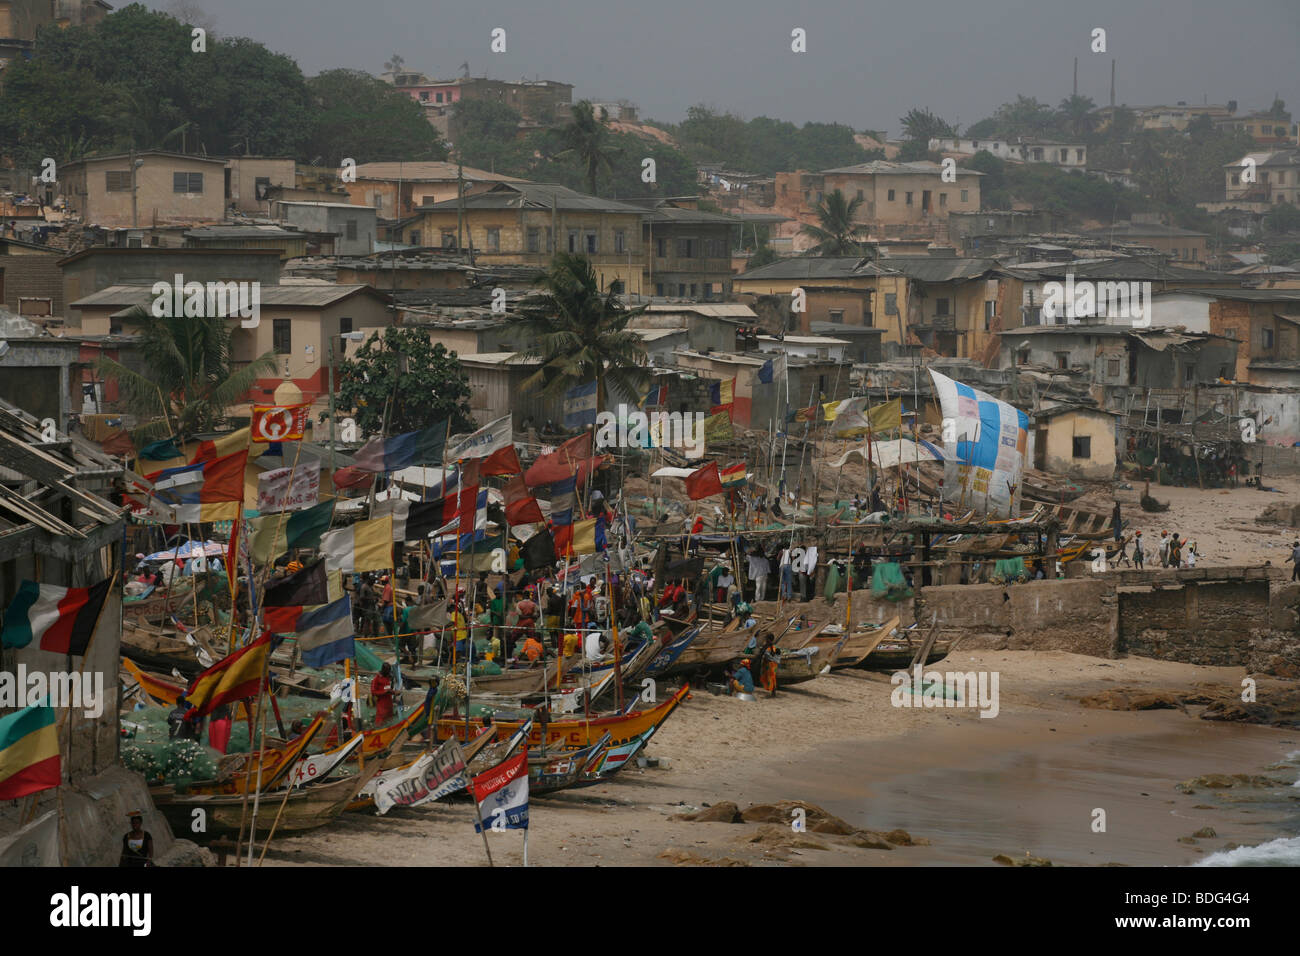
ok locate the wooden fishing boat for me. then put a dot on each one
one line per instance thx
(714, 648)
(861, 643)
(548, 772)
(893, 655)
(239, 772)
(514, 679)
(663, 662)
(304, 808)
(612, 759)
(811, 660)
(576, 732)
(400, 759)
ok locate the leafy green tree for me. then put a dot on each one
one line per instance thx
(404, 375)
(587, 137)
(922, 126)
(993, 187)
(1282, 218)
(837, 232)
(1285, 254)
(360, 116)
(1076, 117)
(580, 334)
(186, 374)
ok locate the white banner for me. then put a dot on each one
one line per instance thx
(275, 494)
(428, 778)
(489, 439)
(36, 844)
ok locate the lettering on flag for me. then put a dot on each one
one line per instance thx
(275, 492)
(428, 778)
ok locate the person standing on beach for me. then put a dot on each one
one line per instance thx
(1175, 552)
(1295, 561)
(1164, 549)
(1137, 551)
(769, 657)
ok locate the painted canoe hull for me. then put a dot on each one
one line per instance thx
(714, 649)
(662, 663)
(575, 733)
(861, 643)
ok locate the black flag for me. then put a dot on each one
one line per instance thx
(305, 587)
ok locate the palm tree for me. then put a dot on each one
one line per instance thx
(837, 233)
(580, 333)
(1077, 116)
(186, 375)
(586, 136)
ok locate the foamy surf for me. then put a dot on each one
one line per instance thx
(1284, 851)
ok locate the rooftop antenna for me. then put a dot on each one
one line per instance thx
(1112, 84)
(1076, 76)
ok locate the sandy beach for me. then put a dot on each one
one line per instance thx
(1028, 781)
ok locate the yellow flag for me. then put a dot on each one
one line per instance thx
(718, 427)
(584, 536)
(372, 544)
(886, 416)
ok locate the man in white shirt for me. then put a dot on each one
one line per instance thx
(759, 569)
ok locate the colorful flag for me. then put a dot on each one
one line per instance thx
(210, 490)
(492, 445)
(324, 632)
(29, 752)
(236, 677)
(521, 506)
(223, 446)
(983, 465)
(703, 482)
(424, 447)
(808, 414)
(853, 418)
(364, 546)
(308, 586)
(279, 422)
(657, 397)
(561, 463)
(583, 534)
(733, 475)
(723, 393)
(270, 536)
(580, 406)
(59, 619)
(717, 427)
(502, 794)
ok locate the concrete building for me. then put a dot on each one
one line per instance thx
(1064, 155)
(1074, 440)
(99, 268)
(1276, 175)
(398, 190)
(150, 188)
(1266, 322)
(349, 230)
(290, 243)
(1185, 245)
(527, 223)
(1263, 127)
(251, 182)
(30, 281)
(688, 249)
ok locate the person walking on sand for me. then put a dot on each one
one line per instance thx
(1295, 561)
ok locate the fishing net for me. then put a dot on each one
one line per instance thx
(888, 582)
(149, 751)
(1008, 570)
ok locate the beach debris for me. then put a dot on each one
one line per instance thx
(1124, 698)
(724, 812)
(1026, 860)
(1226, 781)
(687, 858)
(1205, 833)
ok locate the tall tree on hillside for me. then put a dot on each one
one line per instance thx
(1076, 116)
(922, 126)
(187, 377)
(587, 137)
(837, 233)
(580, 334)
(358, 115)
(1025, 117)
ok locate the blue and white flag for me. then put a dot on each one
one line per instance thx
(580, 406)
(502, 795)
(984, 443)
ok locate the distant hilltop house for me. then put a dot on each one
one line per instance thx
(1069, 155)
(539, 102)
(1275, 174)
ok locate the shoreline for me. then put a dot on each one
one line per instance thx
(1025, 781)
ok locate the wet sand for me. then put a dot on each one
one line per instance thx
(1027, 780)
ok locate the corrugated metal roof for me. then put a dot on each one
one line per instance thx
(882, 168)
(306, 296)
(939, 268)
(816, 267)
(428, 172)
(523, 195)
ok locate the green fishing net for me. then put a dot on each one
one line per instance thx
(1008, 570)
(888, 582)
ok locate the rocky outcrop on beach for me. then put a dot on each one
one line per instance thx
(788, 825)
(1277, 705)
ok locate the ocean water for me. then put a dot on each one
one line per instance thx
(1283, 851)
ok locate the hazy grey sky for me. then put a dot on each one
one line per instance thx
(867, 62)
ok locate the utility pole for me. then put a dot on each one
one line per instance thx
(331, 395)
(135, 216)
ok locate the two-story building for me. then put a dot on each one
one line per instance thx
(347, 229)
(687, 249)
(1265, 321)
(1065, 155)
(527, 223)
(1264, 177)
(152, 188)
(398, 190)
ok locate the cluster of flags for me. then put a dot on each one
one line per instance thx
(709, 479)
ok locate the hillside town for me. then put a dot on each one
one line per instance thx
(425, 441)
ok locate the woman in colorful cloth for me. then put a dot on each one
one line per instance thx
(770, 657)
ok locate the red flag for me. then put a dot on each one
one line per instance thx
(704, 482)
(563, 538)
(503, 462)
(521, 507)
(350, 477)
(560, 464)
(467, 508)
(279, 422)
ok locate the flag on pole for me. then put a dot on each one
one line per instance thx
(423, 447)
(580, 406)
(703, 482)
(733, 475)
(308, 586)
(324, 632)
(657, 397)
(58, 619)
(210, 490)
(270, 536)
(502, 795)
(279, 422)
(29, 753)
(364, 546)
(560, 464)
(717, 427)
(220, 447)
(492, 446)
(853, 418)
(521, 506)
(723, 393)
(236, 677)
